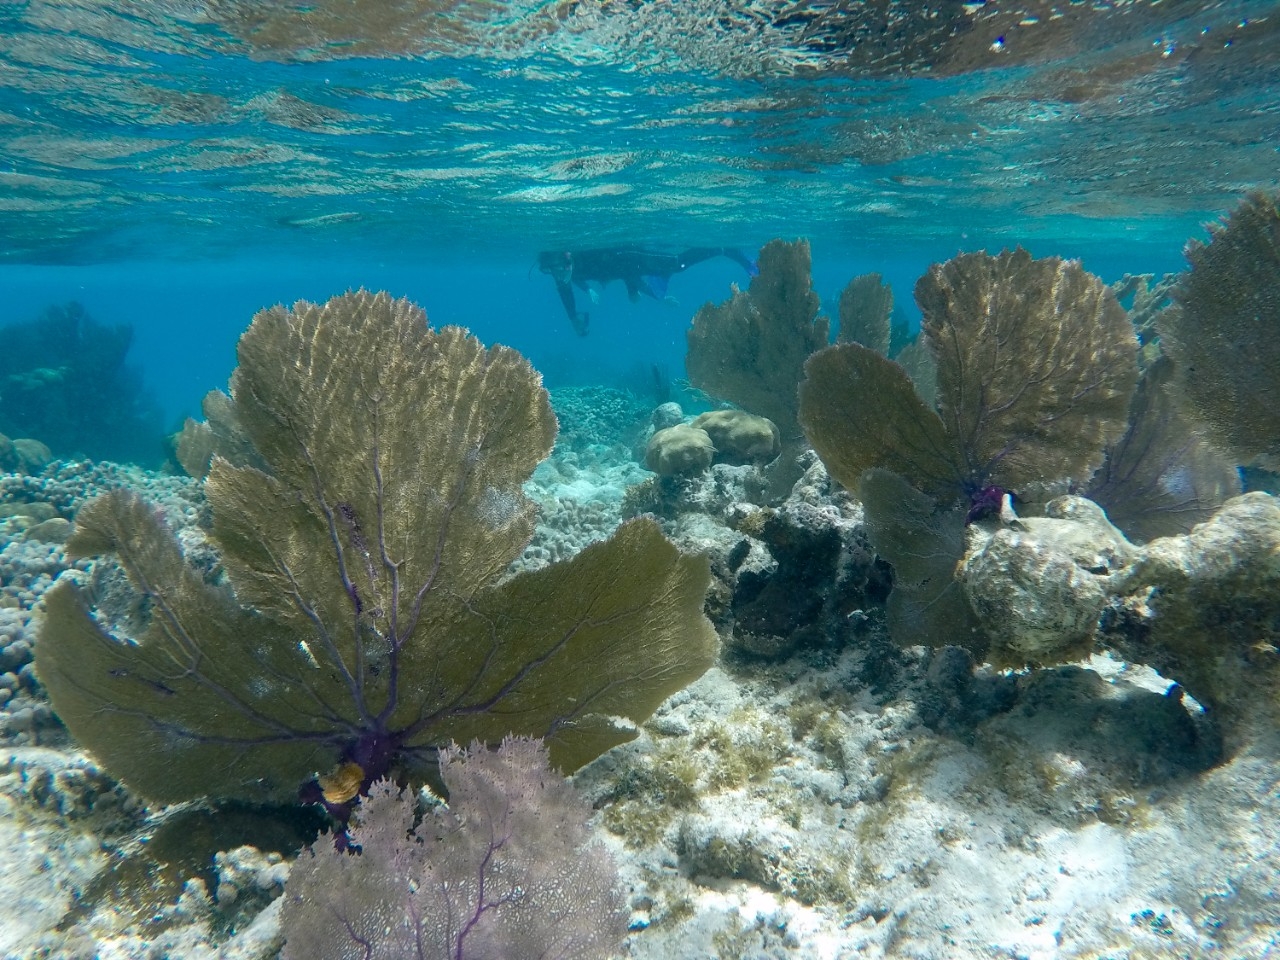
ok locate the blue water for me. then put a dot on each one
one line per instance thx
(178, 166)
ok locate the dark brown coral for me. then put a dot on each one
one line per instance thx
(1223, 333)
(1036, 366)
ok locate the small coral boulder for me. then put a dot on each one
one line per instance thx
(740, 437)
(682, 450)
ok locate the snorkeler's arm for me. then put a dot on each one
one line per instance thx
(579, 320)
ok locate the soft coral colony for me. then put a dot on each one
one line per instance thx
(364, 478)
(1027, 380)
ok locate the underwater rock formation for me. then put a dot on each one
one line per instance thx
(1039, 586)
(64, 380)
(1202, 608)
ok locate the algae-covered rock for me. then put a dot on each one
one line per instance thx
(681, 450)
(53, 530)
(23, 455)
(1039, 587)
(1204, 609)
(740, 437)
(666, 415)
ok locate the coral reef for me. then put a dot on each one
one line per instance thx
(23, 455)
(1199, 607)
(1204, 609)
(1036, 367)
(681, 450)
(372, 550)
(1039, 587)
(740, 437)
(64, 381)
(839, 795)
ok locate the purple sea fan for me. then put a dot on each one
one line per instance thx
(506, 871)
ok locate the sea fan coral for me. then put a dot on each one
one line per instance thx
(365, 618)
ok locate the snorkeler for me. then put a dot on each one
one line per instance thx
(642, 271)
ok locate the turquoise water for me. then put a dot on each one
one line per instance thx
(826, 788)
(177, 166)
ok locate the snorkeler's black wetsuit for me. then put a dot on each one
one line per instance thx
(642, 271)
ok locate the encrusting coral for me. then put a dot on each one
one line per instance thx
(362, 616)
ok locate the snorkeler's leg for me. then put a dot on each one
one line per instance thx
(698, 254)
(742, 260)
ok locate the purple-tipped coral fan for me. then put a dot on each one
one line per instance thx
(507, 870)
(365, 519)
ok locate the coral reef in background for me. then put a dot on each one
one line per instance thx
(23, 455)
(508, 868)
(361, 620)
(1221, 332)
(64, 381)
